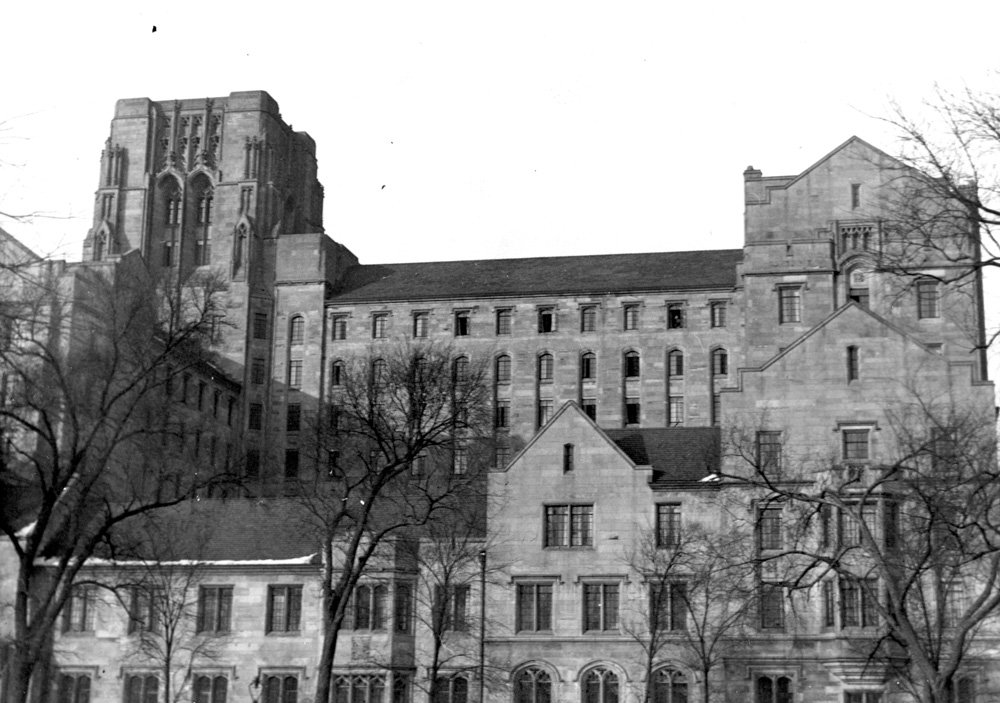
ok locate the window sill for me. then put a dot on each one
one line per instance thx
(289, 633)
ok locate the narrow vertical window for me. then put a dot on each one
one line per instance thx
(462, 323)
(852, 363)
(546, 320)
(503, 369)
(632, 411)
(544, 412)
(927, 299)
(718, 314)
(588, 366)
(675, 411)
(379, 321)
(502, 414)
(339, 327)
(567, 458)
(420, 325)
(297, 330)
(632, 364)
(675, 363)
(545, 368)
(295, 374)
(720, 362)
(588, 318)
(668, 524)
(855, 196)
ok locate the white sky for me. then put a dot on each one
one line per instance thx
(498, 129)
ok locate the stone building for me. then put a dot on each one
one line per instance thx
(624, 387)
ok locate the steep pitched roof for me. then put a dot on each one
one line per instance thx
(853, 140)
(677, 454)
(557, 275)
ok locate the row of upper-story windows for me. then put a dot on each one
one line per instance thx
(367, 609)
(546, 317)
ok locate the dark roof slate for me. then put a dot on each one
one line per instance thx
(677, 454)
(556, 275)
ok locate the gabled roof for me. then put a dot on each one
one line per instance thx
(677, 454)
(557, 275)
(850, 141)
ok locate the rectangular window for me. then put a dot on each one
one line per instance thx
(852, 364)
(144, 608)
(668, 607)
(544, 412)
(215, 606)
(78, 613)
(210, 689)
(955, 604)
(257, 372)
(632, 364)
(829, 606)
(168, 254)
(716, 409)
(285, 689)
(462, 324)
(855, 445)
(260, 325)
(588, 367)
(718, 314)
(868, 697)
(295, 374)
(857, 604)
(546, 320)
(420, 320)
(668, 524)
(339, 327)
(291, 464)
(503, 369)
(772, 610)
(460, 460)
(600, 607)
(631, 317)
(284, 608)
(569, 525)
(632, 411)
(590, 408)
(294, 418)
(567, 458)
(502, 414)
(675, 316)
(501, 455)
(404, 608)
(768, 451)
(367, 607)
(503, 321)
(253, 463)
(855, 196)
(927, 299)
(854, 521)
(452, 605)
(769, 527)
(675, 411)
(379, 321)
(588, 318)
(534, 607)
(789, 304)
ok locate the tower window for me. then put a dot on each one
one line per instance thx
(789, 304)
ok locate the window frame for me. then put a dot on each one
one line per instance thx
(675, 411)
(538, 594)
(631, 364)
(675, 363)
(220, 613)
(717, 313)
(771, 599)
(547, 320)
(928, 293)
(630, 317)
(462, 322)
(668, 525)
(769, 449)
(574, 531)
(601, 607)
(790, 304)
(291, 615)
(295, 374)
(338, 328)
(380, 324)
(421, 324)
(588, 318)
(504, 321)
(588, 367)
(676, 319)
(297, 330)
(503, 363)
(546, 367)
(850, 443)
(668, 609)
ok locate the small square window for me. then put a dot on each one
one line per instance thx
(503, 321)
(420, 320)
(569, 525)
(631, 315)
(675, 316)
(718, 314)
(546, 320)
(462, 324)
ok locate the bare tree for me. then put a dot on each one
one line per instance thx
(401, 444)
(700, 600)
(174, 625)
(87, 354)
(903, 554)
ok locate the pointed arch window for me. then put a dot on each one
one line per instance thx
(600, 685)
(533, 685)
(669, 686)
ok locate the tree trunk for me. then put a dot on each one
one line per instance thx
(18, 681)
(706, 695)
(327, 653)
